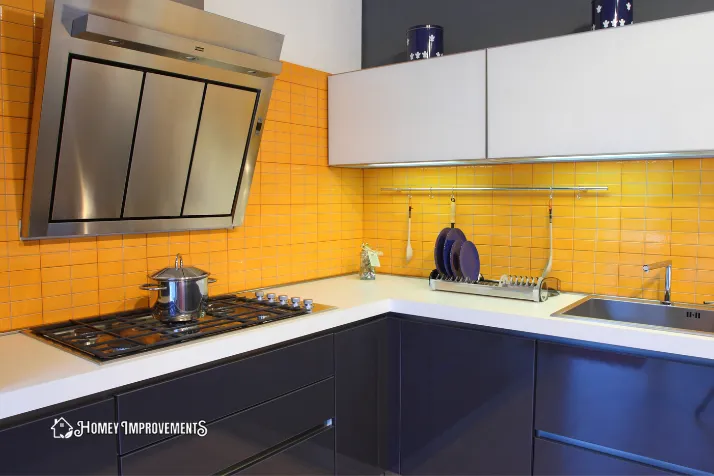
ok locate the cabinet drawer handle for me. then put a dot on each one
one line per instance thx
(263, 455)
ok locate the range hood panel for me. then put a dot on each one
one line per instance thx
(221, 145)
(95, 145)
(147, 118)
(163, 145)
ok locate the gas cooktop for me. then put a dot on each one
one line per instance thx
(113, 336)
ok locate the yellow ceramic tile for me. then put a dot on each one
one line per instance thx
(306, 220)
(56, 288)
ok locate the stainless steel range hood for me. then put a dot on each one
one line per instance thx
(147, 118)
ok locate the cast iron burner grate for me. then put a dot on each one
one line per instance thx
(118, 335)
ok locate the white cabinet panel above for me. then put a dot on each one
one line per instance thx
(639, 89)
(423, 111)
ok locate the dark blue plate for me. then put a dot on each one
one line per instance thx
(470, 261)
(451, 237)
(439, 251)
(455, 263)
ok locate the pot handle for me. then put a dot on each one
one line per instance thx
(152, 287)
(212, 280)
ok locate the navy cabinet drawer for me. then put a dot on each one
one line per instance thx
(225, 389)
(236, 438)
(558, 459)
(32, 448)
(646, 406)
(312, 457)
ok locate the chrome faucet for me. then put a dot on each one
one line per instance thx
(667, 278)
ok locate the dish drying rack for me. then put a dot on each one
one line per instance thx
(514, 287)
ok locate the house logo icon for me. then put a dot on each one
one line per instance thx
(61, 428)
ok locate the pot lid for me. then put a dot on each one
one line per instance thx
(179, 273)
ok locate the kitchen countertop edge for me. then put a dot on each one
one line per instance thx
(42, 375)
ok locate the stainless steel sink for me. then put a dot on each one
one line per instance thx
(679, 317)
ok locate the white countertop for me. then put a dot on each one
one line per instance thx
(34, 374)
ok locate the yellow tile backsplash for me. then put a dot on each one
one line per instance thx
(304, 220)
(653, 210)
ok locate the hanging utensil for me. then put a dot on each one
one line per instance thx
(549, 265)
(410, 252)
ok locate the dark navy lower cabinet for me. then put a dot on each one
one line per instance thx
(51, 445)
(226, 388)
(367, 398)
(654, 408)
(237, 438)
(467, 401)
(558, 459)
(314, 456)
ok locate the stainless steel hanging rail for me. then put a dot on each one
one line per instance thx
(495, 189)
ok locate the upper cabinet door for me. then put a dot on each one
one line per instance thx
(423, 111)
(638, 89)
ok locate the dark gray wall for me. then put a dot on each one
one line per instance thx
(477, 24)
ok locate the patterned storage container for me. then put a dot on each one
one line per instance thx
(612, 13)
(425, 41)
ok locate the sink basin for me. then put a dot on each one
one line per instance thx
(680, 317)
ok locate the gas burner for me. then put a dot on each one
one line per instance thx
(113, 336)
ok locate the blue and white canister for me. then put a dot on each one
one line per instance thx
(612, 13)
(425, 41)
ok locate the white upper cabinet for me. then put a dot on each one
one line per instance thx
(637, 89)
(423, 111)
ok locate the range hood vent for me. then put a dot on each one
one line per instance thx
(145, 124)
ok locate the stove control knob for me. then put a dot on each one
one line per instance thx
(259, 295)
(271, 297)
(283, 299)
(295, 301)
(308, 304)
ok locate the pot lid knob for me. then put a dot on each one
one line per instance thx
(179, 261)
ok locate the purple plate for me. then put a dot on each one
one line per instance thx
(470, 261)
(451, 237)
(454, 261)
(439, 251)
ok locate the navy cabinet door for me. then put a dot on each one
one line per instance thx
(367, 398)
(646, 406)
(467, 401)
(558, 459)
(48, 445)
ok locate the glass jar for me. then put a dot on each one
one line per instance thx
(368, 260)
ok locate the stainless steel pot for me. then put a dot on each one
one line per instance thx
(182, 293)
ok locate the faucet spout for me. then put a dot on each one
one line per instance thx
(667, 278)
